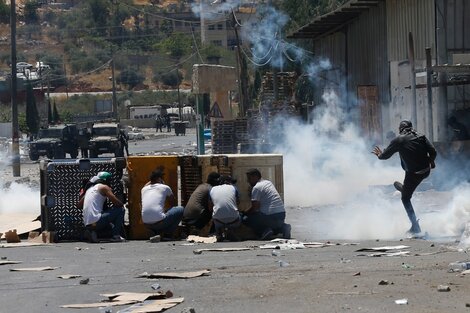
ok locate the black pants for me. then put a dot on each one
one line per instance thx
(410, 183)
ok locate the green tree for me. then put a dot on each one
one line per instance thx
(130, 77)
(32, 115)
(176, 46)
(172, 79)
(31, 12)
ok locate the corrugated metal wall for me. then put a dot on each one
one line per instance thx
(333, 48)
(367, 53)
(415, 16)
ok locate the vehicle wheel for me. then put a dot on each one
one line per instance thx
(34, 157)
(93, 154)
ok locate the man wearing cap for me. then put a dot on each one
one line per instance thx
(197, 212)
(156, 217)
(224, 200)
(97, 220)
(417, 157)
(266, 215)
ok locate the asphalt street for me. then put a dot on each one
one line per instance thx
(332, 278)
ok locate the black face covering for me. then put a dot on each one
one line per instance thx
(405, 124)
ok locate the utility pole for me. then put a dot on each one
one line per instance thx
(411, 59)
(242, 75)
(15, 145)
(115, 108)
(429, 89)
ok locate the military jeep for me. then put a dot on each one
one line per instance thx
(106, 138)
(54, 142)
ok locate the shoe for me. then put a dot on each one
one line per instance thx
(117, 238)
(156, 238)
(415, 229)
(286, 228)
(398, 186)
(91, 236)
(267, 234)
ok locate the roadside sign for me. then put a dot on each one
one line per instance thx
(215, 111)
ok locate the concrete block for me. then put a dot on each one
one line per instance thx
(209, 78)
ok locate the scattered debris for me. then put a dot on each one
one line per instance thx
(23, 223)
(12, 237)
(357, 274)
(198, 239)
(382, 249)
(283, 263)
(275, 253)
(406, 266)
(84, 281)
(22, 244)
(401, 301)
(380, 254)
(33, 269)
(154, 306)
(175, 275)
(188, 310)
(383, 282)
(44, 237)
(9, 262)
(443, 288)
(117, 299)
(68, 276)
(344, 260)
(200, 251)
(156, 286)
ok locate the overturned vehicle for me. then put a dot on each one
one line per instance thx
(55, 142)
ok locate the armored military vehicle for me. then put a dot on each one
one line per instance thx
(55, 142)
(106, 138)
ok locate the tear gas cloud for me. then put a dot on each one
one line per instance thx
(16, 197)
(330, 162)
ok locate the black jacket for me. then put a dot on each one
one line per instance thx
(416, 152)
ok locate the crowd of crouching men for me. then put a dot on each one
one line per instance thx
(211, 210)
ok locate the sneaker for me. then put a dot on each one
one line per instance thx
(91, 236)
(117, 238)
(398, 186)
(415, 229)
(267, 234)
(286, 228)
(156, 238)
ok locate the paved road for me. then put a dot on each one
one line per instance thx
(334, 278)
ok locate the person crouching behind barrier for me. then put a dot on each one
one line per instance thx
(224, 200)
(156, 218)
(267, 214)
(97, 220)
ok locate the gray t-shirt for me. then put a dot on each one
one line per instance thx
(224, 198)
(268, 197)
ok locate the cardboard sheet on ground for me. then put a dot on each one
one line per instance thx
(199, 239)
(9, 262)
(200, 251)
(117, 299)
(22, 222)
(382, 249)
(23, 244)
(33, 269)
(68, 276)
(175, 274)
(379, 254)
(154, 306)
(291, 244)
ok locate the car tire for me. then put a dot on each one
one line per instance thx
(34, 157)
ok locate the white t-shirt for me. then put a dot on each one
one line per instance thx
(224, 198)
(153, 202)
(93, 205)
(268, 197)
